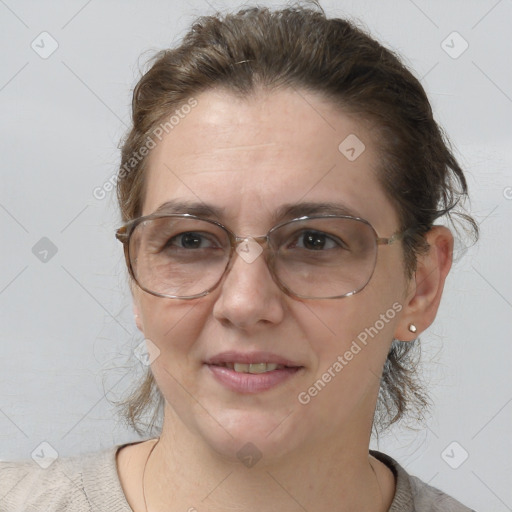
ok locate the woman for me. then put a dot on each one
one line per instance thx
(279, 191)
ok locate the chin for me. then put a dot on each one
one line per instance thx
(242, 435)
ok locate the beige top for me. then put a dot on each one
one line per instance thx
(91, 483)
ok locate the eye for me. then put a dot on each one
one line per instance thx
(317, 241)
(192, 240)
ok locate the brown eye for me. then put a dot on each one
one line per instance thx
(316, 241)
(191, 240)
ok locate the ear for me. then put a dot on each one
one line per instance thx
(426, 286)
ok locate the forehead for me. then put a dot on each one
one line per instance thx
(249, 157)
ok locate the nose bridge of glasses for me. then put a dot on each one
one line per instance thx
(260, 239)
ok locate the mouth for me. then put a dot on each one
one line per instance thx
(251, 373)
(253, 367)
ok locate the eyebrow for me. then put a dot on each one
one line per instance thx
(293, 210)
(284, 212)
(194, 208)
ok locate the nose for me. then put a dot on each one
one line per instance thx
(248, 296)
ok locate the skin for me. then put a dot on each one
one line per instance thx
(251, 156)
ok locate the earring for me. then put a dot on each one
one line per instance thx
(412, 328)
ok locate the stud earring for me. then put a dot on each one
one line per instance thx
(412, 328)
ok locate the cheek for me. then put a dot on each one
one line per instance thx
(331, 328)
(352, 336)
(172, 325)
(351, 343)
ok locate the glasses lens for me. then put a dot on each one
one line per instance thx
(324, 257)
(178, 257)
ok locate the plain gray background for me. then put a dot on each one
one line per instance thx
(67, 331)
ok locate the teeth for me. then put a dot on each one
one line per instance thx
(258, 368)
(255, 367)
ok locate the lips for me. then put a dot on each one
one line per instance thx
(253, 367)
(247, 361)
(251, 372)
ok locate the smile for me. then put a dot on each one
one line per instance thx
(253, 367)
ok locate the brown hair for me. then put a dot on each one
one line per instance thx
(299, 47)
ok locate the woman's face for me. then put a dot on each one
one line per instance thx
(249, 158)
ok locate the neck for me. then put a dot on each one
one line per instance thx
(184, 473)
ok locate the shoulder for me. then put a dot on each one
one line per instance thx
(429, 498)
(72, 484)
(412, 494)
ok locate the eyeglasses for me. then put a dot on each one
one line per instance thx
(182, 256)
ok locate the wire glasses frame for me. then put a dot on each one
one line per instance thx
(125, 232)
